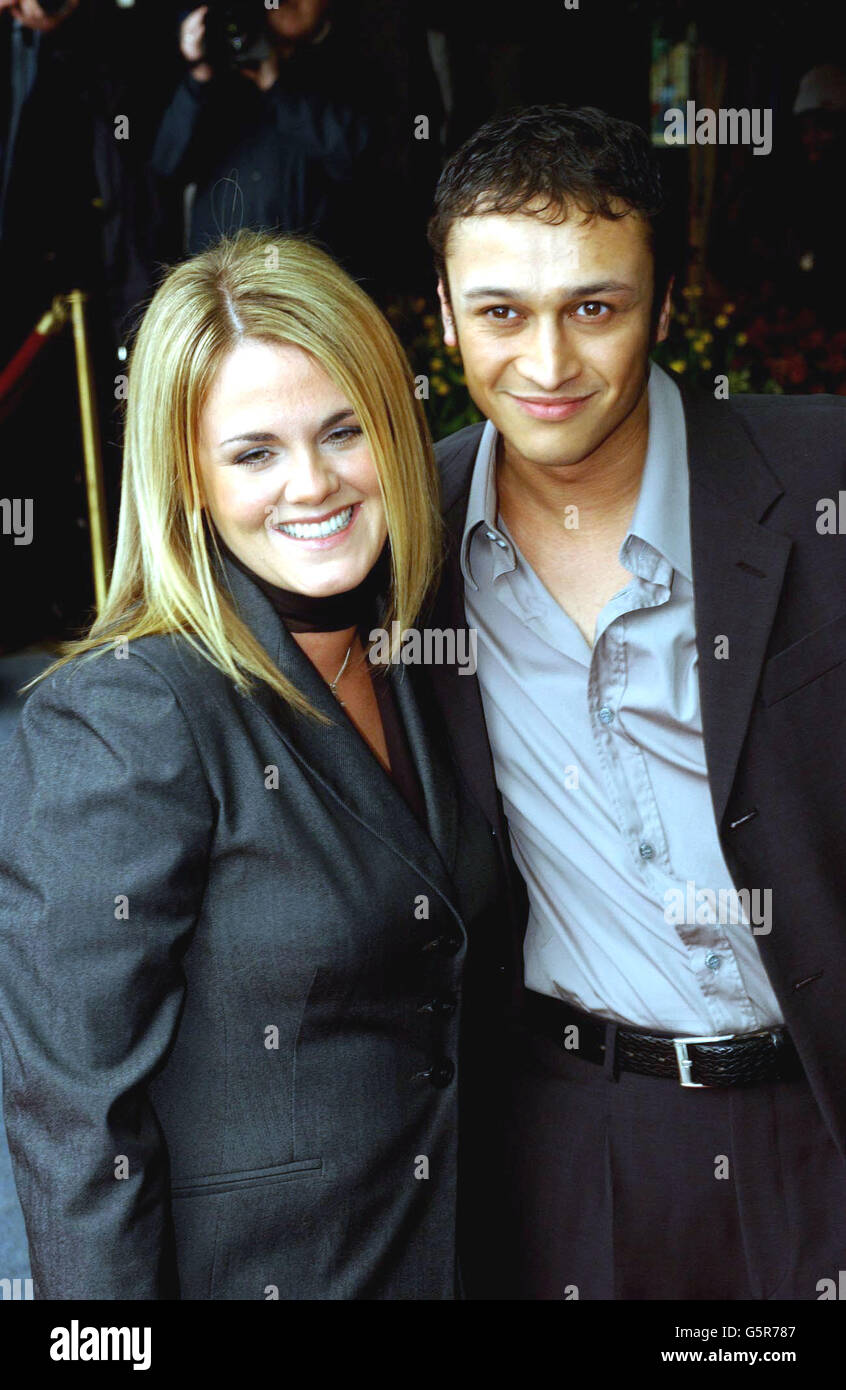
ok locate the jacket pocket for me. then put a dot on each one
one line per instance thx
(249, 1177)
(805, 661)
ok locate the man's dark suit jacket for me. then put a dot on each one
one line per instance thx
(234, 971)
(774, 711)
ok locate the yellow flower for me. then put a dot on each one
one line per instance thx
(683, 318)
(721, 321)
(741, 339)
(698, 345)
(436, 364)
(729, 308)
(706, 362)
(690, 332)
(429, 321)
(692, 291)
(678, 365)
(707, 337)
(442, 388)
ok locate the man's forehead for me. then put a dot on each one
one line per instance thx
(567, 233)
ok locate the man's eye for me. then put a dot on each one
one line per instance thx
(593, 309)
(499, 312)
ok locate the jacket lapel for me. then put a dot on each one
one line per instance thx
(337, 756)
(738, 570)
(458, 695)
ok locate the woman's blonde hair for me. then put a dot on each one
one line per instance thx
(271, 288)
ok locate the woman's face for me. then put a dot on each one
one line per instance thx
(286, 472)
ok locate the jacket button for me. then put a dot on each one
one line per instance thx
(441, 1072)
(442, 1007)
(446, 945)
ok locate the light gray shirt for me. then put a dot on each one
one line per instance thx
(600, 759)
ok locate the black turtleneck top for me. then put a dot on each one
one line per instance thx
(353, 608)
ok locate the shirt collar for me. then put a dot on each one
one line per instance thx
(482, 499)
(661, 515)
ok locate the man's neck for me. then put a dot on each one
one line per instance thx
(604, 486)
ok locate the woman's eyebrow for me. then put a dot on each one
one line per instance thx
(267, 437)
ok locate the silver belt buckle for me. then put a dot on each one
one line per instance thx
(685, 1064)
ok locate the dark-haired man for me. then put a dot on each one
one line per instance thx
(662, 663)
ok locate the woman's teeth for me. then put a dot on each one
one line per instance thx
(316, 530)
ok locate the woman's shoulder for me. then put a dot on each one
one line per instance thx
(147, 680)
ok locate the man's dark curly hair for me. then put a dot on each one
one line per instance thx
(555, 158)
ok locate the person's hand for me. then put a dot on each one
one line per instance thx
(192, 41)
(264, 75)
(30, 14)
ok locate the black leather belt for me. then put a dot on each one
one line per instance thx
(728, 1059)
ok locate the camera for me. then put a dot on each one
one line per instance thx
(236, 34)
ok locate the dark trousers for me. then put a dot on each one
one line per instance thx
(635, 1188)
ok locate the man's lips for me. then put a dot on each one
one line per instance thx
(551, 407)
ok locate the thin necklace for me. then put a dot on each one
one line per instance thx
(333, 684)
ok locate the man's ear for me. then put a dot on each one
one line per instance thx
(663, 326)
(450, 335)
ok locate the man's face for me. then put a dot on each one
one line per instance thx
(554, 326)
(296, 20)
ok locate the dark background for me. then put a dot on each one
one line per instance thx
(740, 222)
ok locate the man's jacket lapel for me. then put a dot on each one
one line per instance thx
(738, 569)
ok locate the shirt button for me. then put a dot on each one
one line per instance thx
(713, 961)
(645, 851)
(606, 715)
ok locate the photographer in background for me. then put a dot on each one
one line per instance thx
(77, 211)
(272, 125)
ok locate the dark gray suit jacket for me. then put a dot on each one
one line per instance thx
(774, 712)
(232, 1011)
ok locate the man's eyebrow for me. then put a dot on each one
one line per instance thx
(265, 437)
(566, 291)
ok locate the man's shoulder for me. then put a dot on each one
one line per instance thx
(455, 456)
(801, 439)
(780, 423)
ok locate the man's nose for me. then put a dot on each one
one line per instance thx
(549, 358)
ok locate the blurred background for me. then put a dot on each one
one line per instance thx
(132, 132)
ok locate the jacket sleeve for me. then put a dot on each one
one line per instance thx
(105, 824)
(181, 132)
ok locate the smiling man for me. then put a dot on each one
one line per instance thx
(661, 638)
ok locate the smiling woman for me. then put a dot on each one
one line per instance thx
(272, 879)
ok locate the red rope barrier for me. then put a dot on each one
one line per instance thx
(13, 374)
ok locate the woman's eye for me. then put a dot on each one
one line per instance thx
(254, 459)
(343, 435)
(593, 309)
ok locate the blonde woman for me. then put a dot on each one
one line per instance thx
(238, 877)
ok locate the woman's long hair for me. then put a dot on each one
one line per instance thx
(277, 289)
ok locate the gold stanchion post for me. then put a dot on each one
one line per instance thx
(98, 526)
